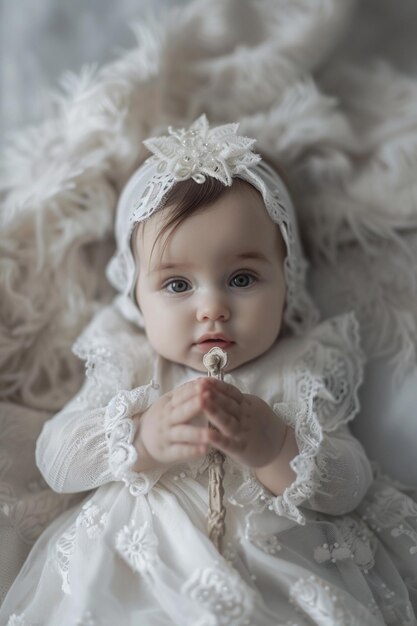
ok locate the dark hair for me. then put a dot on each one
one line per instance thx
(186, 198)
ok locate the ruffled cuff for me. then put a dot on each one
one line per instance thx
(328, 376)
(120, 433)
(308, 435)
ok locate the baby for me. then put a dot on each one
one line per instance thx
(213, 286)
(208, 256)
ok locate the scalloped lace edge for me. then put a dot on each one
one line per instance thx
(120, 432)
(309, 435)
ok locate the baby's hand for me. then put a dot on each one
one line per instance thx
(248, 429)
(166, 429)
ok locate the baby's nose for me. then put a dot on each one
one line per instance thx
(213, 307)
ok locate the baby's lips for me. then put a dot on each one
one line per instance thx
(205, 346)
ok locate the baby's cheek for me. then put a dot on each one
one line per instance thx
(163, 335)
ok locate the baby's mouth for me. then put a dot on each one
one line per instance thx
(207, 344)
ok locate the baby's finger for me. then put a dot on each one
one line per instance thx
(186, 451)
(226, 423)
(187, 391)
(186, 411)
(228, 445)
(215, 400)
(188, 434)
(227, 389)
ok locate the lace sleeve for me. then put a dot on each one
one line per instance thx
(82, 447)
(343, 474)
(332, 470)
(90, 442)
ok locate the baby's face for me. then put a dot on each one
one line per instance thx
(221, 274)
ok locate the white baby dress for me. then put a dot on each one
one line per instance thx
(339, 547)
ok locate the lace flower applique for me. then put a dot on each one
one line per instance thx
(137, 546)
(355, 542)
(321, 602)
(92, 519)
(200, 151)
(220, 591)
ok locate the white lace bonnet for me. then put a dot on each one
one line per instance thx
(197, 152)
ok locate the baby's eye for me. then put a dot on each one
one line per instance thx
(178, 286)
(243, 280)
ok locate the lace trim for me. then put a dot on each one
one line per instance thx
(337, 400)
(93, 520)
(300, 311)
(309, 436)
(64, 549)
(119, 434)
(326, 399)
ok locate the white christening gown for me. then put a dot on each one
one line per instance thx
(339, 547)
